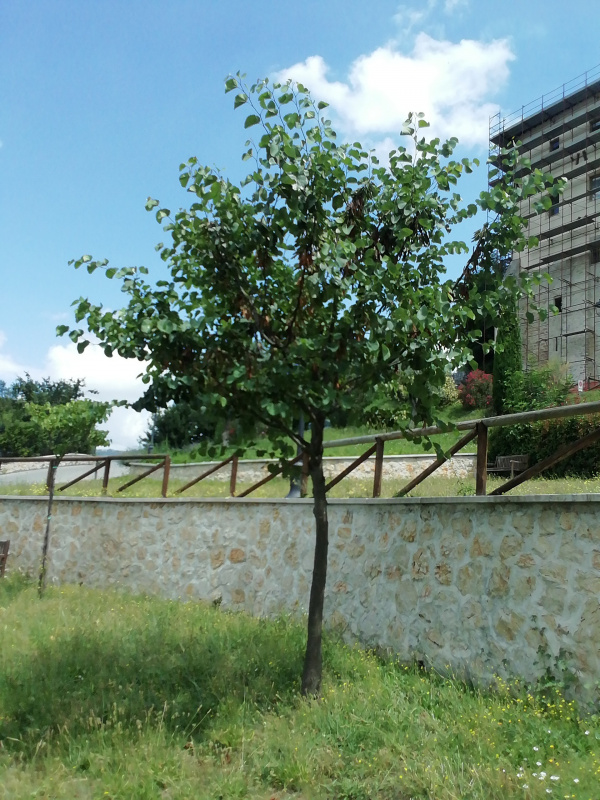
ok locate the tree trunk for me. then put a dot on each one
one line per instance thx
(313, 661)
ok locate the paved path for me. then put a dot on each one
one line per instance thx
(64, 474)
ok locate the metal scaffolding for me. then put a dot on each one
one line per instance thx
(560, 133)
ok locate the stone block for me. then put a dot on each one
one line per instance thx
(522, 522)
(510, 546)
(554, 572)
(469, 579)
(237, 555)
(553, 599)
(443, 573)
(526, 560)
(462, 525)
(509, 625)
(481, 547)
(499, 581)
(523, 587)
(217, 558)
(420, 564)
(238, 596)
(590, 584)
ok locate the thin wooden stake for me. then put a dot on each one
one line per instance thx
(233, 479)
(481, 468)
(105, 477)
(166, 473)
(52, 467)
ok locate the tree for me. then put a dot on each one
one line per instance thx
(180, 425)
(49, 417)
(507, 356)
(318, 279)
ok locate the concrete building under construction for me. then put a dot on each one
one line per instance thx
(560, 133)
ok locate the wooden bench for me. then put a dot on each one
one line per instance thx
(509, 464)
(3, 556)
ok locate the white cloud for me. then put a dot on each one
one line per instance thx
(426, 12)
(451, 5)
(452, 83)
(113, 378)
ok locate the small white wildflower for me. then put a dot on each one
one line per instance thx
(587, 733)
(542, 775)
(525, 786)
(534, 774)
(536, 748)
(554, 777)
(549, 731)
(548, 791)
(575, 780)
(539, 763)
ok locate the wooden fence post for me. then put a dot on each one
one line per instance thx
(233, 479)
(166, 473)
(481, 468)
(380, 445)
(106, 475)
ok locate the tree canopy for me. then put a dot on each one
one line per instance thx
(317, 280)
(49, 417)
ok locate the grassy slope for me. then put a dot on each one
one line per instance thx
(397, 447)
(435, 486)
(104, 695)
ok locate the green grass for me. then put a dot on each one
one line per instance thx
(103, 695)
(434, 486)
(454, 413)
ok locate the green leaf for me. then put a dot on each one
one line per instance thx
(61, 330)
(230, 85)
(251, 120)
(151, 203)
(240, 100)
(322, 104)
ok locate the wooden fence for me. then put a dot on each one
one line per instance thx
(477, 429)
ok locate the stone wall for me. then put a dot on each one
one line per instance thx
(479, 584)
(461, 466)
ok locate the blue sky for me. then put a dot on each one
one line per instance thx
(100, 101)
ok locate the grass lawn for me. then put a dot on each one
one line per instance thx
(104, 695)
(434, 486)
(454, 413)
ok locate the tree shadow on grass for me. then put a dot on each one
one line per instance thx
(183, 680)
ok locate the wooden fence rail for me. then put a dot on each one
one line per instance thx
(477, 429)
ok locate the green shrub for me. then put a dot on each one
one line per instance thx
(541, 439)
(539, 387)
(449, 393)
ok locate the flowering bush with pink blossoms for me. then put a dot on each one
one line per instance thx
(476, 391)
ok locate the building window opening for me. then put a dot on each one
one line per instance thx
(558, 303)
(596, 254)
(595, 184)
(554, 144)
(554, 207)
(595, 124)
